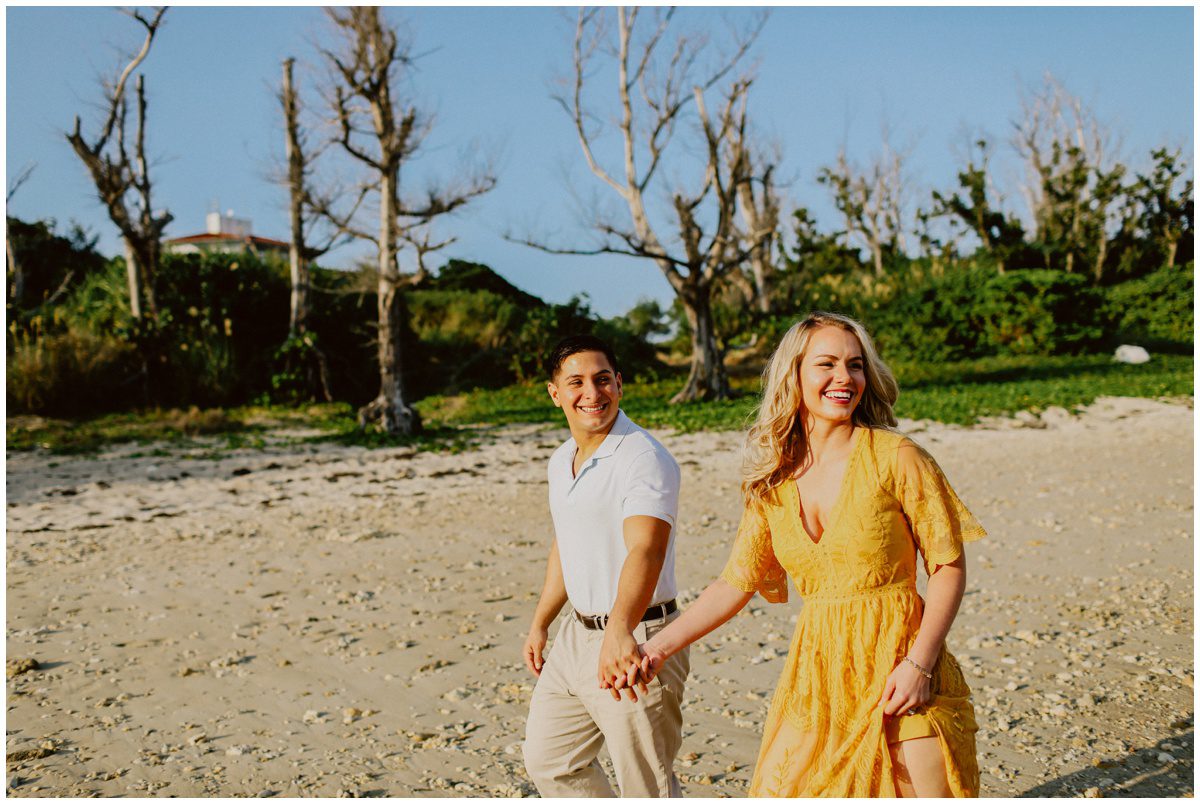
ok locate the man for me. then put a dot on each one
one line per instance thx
(614, 494)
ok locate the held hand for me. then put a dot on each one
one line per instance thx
(905, 690)
(535, 643)
(617, 654)
(651, 662)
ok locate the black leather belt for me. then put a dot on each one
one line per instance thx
(656, 612)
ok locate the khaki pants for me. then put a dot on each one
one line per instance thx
(570, 717)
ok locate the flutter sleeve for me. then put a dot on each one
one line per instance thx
(752, 566)
(938, 519)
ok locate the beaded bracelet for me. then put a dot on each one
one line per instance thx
(920, 669)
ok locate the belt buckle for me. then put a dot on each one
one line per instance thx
(601, 621)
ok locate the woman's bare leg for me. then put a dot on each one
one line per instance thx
(920, 768)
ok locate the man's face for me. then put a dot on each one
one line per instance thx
(588, 391)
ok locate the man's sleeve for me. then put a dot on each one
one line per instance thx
(652, 487)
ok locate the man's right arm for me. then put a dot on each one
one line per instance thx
(553, 598)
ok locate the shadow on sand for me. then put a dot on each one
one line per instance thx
(1140, 773)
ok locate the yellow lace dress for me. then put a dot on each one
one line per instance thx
(825, 733)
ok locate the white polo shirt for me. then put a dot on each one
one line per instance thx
(630, 474)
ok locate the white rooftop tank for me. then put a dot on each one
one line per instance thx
(227, 224)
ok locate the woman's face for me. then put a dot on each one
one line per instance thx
(832, 375)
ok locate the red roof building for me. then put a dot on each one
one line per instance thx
(226, 235)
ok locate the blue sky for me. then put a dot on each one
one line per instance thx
(938, 77)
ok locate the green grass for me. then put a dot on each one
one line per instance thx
(240, 427)
(647, 403)
(960, 393)
(957, 393)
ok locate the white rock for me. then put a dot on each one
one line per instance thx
(1131, 354)
(1027, 419)
(1056, 415)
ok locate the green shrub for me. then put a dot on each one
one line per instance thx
(1156, 310)
(461, 337)
(72, 373)
(298, 368)
(344, 319)
(51, 265)
(964, 314)
(1039, 312)
(222, 317)
(930, 320)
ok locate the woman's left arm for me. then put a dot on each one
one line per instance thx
(907, 687)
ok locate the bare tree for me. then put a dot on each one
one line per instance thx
(383, 133)
(117, 173)
(297, 169)
(979, 208)
(303, 248)
(758, 201)
(1071, 178)
(17, 289)
(423, 244)
(706, 245)
(871, 202)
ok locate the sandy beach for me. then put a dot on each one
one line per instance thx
(309, 620)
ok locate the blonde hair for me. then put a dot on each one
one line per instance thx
(776, 443)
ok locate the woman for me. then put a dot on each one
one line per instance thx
(870, 703)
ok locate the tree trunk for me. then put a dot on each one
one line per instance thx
(149, 270)
(707, 379)
(133, 277)
(298, 318)
(1101, 255)
(760, 265)
(1172, 247)
(388, 409)
(295, 162)
(17, 291)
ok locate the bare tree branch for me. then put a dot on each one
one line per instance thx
(115, 174)
(22, 176)
(708, 244)
(364, 73)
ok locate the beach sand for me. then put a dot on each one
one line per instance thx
(325, 620)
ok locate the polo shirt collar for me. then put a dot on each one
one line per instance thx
(622, 426)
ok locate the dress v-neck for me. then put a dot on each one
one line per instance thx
(837, 503)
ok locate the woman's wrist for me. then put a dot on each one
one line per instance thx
(926, 672)
(657, 645)
(924, 656)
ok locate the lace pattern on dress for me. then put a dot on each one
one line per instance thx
(752, 566)
(939, 521)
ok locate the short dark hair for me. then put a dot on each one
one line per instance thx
(574, 344)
